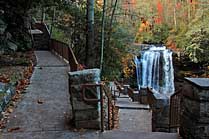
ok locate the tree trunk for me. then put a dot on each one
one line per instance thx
(111, 22)
(103, 34)
(90, 31)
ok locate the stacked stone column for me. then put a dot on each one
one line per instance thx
(85, 114)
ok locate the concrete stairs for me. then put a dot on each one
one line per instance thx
(135, 122)
(41, 36)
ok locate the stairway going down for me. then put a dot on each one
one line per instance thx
(135, 120)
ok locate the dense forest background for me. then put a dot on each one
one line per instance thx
(181, 25)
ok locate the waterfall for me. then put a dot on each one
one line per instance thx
(169, 72)
(155, 70)
(138, 67)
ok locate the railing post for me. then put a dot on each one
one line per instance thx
(62, 51)
(102, 113)
(108, 101)
(68, 53)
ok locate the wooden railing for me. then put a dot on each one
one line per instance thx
(105, 94)
(58, 47)
(64, 51)
(175, 110)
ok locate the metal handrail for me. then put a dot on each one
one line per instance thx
(108, 94)
(175, 110)
(103, 91)
(84, 86)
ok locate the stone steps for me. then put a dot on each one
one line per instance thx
(138, 135)
(40, 42)
(135, 121)
(41, 37)
(124, 102)
(133, 116)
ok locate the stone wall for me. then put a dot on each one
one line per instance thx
(195, 113)
(6, 93)
(160, 115)
(85, 114)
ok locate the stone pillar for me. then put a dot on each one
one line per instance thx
(195, 106)
(143, 98)
(85, 114)
(160, 114)
(6, 93)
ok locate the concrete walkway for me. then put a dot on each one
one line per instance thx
(133, 116)
(46, 103)
(44, 111)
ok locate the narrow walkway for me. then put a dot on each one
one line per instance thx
(41, 114)
(46, 102)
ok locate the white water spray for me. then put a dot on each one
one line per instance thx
(155, 70)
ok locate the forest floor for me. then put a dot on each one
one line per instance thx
(14, 65)
(15, 69)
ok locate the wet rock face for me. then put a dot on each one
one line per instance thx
(6, 93)
(195, 114)
(85, 114)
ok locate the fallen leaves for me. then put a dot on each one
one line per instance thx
(16, 97)
(10, 110)
(21, 78)
(2, 125)
(13, 129)
(4, 120)
(39, 101)
(4, 78)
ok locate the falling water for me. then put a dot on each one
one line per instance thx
(155, 70)
(138, 67)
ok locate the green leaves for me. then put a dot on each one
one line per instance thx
(198, 47)
(158, 34)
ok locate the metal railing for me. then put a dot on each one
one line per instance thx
(175, 110)
(105, 94)
(64, 51)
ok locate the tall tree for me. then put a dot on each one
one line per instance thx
(90, 31)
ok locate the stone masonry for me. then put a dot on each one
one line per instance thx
(160, 115)
(85, 114)
(195, 105)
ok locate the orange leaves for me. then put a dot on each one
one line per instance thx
(128, 65)
(159, 19)
(178, 5)
(28, 72)
(18, 74)
(145, 26)
(10, 110)
(99, 3)
(4, 78)
(13, 129)
(159, 7)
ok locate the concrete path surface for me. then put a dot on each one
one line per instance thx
(44, 111)
(46, 103)
(133, 117)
